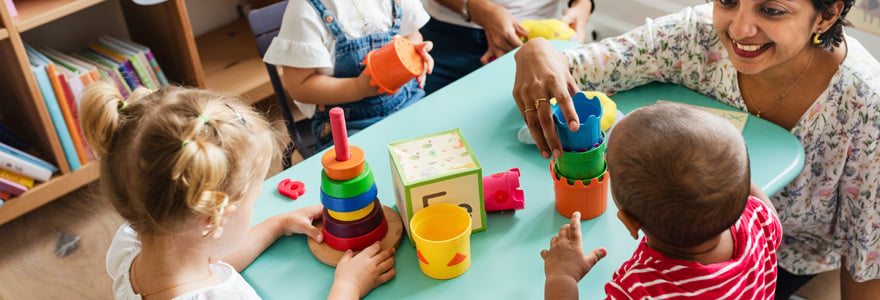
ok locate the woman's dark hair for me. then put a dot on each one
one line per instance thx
(834, 35)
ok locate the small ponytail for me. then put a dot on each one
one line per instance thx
(101, 114)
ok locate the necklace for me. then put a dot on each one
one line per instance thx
(781, 96)
(145, 294)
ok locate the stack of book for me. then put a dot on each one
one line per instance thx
(63, 77)
(19, 170)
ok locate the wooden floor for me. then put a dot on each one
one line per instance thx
(30, 268)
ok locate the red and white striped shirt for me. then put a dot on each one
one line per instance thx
(750, 274)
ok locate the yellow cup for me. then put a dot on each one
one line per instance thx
(442, 233)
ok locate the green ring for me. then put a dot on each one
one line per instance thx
(347, 188)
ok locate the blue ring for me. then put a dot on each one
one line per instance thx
(349, 204)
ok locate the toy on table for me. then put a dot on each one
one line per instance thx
(291, 189)
(442, 234)
(580, 177)
(551, 29)
(393, 65)
(501, 191)
(353, 216)
(437, 168)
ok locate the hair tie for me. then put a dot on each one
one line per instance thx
(183, 145)
(123, 106)
(204, 118)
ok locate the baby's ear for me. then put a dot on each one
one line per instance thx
(631, 224)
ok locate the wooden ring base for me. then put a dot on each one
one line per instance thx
(331, 257)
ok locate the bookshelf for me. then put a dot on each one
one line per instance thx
(165, 28)
(237, 69)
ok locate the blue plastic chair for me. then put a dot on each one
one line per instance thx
(265, 23)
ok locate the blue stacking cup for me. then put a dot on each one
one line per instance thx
(589, 111)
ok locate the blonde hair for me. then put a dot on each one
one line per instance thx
(176, 153)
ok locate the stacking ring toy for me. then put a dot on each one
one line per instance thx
(348, 188)
(356, 243)
(343, 170)
(353, 215)
(354, 228)
(349, 204)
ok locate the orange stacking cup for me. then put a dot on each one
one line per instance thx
(393, 65)
(591, 199)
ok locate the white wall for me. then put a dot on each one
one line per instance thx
(613, 17)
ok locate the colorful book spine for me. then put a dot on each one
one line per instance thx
(24, 167)
(15, 177)
(56, 116)
(55, 79)
(11, 187)
(158, 70)
(27, 157)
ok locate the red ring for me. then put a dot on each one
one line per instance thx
(356, 243)
(349, 229)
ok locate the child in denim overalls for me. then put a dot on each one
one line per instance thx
(321, 45)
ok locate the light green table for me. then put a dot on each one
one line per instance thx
(505, 258)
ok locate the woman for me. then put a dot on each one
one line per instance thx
(785, 61)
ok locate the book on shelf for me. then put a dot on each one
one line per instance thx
(12, 187)
(55, 78)
(74, 75)
(144, 73)
(13, 12)
(113, 55)
(148, 54)
(39, 66)
(123, 81)
(4, 148)
(18, 178)
(24, 167)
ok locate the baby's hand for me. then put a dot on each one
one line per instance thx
(565, 257)
(360, 274)
(423, 48)
(300, 221)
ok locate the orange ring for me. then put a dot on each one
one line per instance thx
(343, 170)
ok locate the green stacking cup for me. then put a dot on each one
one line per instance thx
(583, 165)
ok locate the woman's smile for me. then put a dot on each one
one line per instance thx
(749, 50)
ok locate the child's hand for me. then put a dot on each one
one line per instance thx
(565, 257)
(300, 221)
(357, 275)
(423, 48)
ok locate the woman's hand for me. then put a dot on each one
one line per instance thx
(300, 221)
(543, 73)
(357, 275)
(503, 32)
(423, 48)
(577, 17)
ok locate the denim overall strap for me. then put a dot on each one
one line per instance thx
(350, 52)
(329, 19)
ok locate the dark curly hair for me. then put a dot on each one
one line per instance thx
(834, 35)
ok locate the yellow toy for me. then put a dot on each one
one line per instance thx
(551, 29)
(609, 109)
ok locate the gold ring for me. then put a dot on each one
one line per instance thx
(538, 102)
(529, 109)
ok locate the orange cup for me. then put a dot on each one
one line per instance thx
(393, 65)
(591, 199)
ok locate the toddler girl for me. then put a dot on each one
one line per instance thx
(184, 168)
(321, 45)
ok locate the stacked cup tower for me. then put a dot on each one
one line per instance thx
(580, 177)
(353, 216)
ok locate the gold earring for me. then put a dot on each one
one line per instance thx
(816, 39)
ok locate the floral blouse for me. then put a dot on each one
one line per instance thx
(831, 209)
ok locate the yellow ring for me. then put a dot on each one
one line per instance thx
(530, 109)
(352, 215)
(538, 102)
